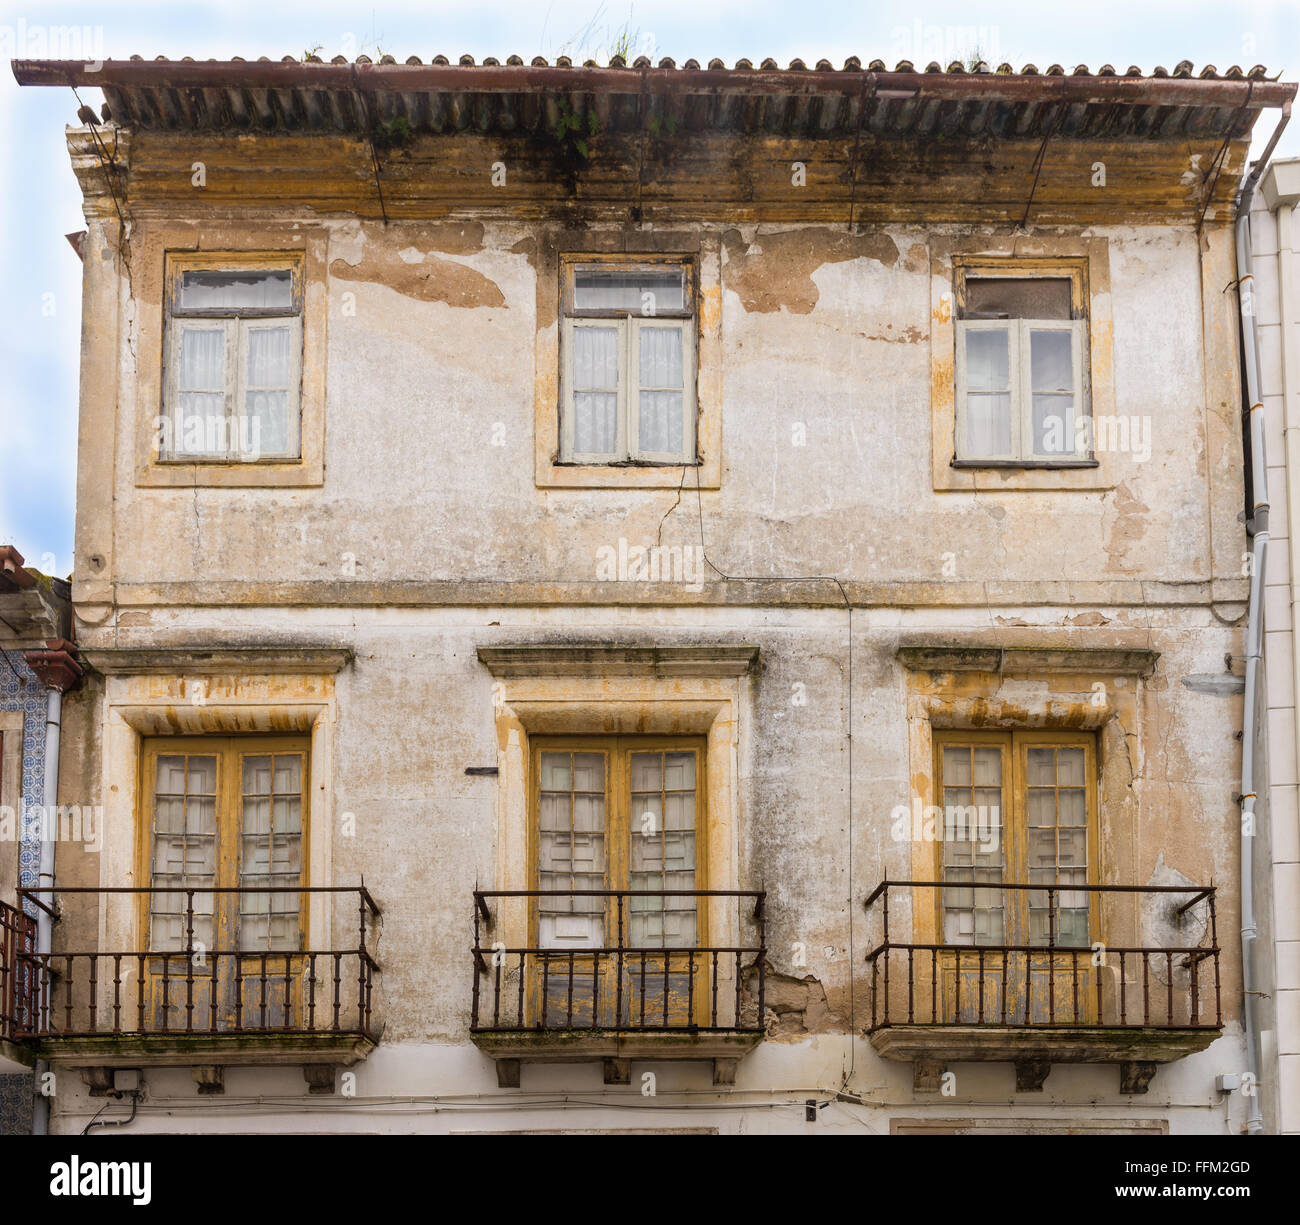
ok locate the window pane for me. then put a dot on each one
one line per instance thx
(203, 359)
(595, 359)
(267, 391)
(988, 360)
(1069, 765)
(988, 424)
(639, 291)
(660, 424)
(268, 357)
(571, 848)
(956, 765)
(1051, 365)
(1042, 767)
(184, 850)
(271, 290)
(972, 845)
(661, 357)
(988, 766)
(1017, 298)
(662, 851)
(271, 852)
(659, 427)
(595, 422)
(268, 423)
(595, 382)
(1054, 425)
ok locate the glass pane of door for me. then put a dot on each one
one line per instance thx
(271, 852)
(661, 857)
(184, 851)
(571, 849)
(1057, 847)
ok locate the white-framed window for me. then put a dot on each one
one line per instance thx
(233, 358)
(1022, 377)
(627, 382)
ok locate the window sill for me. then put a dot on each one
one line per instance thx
(1016, 465)
(187, 473)
(627, 474)
(625, 464)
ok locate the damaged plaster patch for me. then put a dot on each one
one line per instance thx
(426, 278)
(792, 1006)
(1127, 527)
(778, 273)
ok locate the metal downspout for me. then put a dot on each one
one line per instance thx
(44, 922)
(1254, 622)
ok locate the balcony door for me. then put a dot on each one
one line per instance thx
(618, 826)
(1020, 808)
(224, 819)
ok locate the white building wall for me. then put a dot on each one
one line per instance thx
(1277, 297)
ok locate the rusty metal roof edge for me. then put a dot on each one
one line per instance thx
(979, 86)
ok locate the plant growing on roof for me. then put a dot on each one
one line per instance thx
(573, 133)
(391, 133)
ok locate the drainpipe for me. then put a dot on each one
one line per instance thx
(57, 669)
(45, 878)
(1254, 621)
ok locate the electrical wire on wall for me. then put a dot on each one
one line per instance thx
(848, 605)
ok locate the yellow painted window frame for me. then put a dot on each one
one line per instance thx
(1015, 770)
(229, 752)
(618, 752)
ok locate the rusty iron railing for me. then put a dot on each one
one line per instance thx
(195, 990)
(1127, 985)
(618, 985)
(17, 997)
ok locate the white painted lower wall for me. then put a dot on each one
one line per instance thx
(429, 1088)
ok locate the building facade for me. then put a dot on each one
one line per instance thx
(636, 597)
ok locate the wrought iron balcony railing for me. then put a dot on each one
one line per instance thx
(1165, 980)
(633, 962)
(199, 977)
(17, 939)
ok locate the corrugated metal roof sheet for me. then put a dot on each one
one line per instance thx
(293, 95)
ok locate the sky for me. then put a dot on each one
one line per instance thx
(40, 306)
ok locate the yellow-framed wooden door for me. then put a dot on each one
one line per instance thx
(617, 813)
(224, 812)
(1018, 808)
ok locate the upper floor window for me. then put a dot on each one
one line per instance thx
(628, 362)
(233, 355)
(1022, 378)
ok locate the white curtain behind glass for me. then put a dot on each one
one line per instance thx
(595, 390)
(659, 426)
(201, 386)
(266, 389)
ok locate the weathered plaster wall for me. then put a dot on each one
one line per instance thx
(422, 485)
(426, 541)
